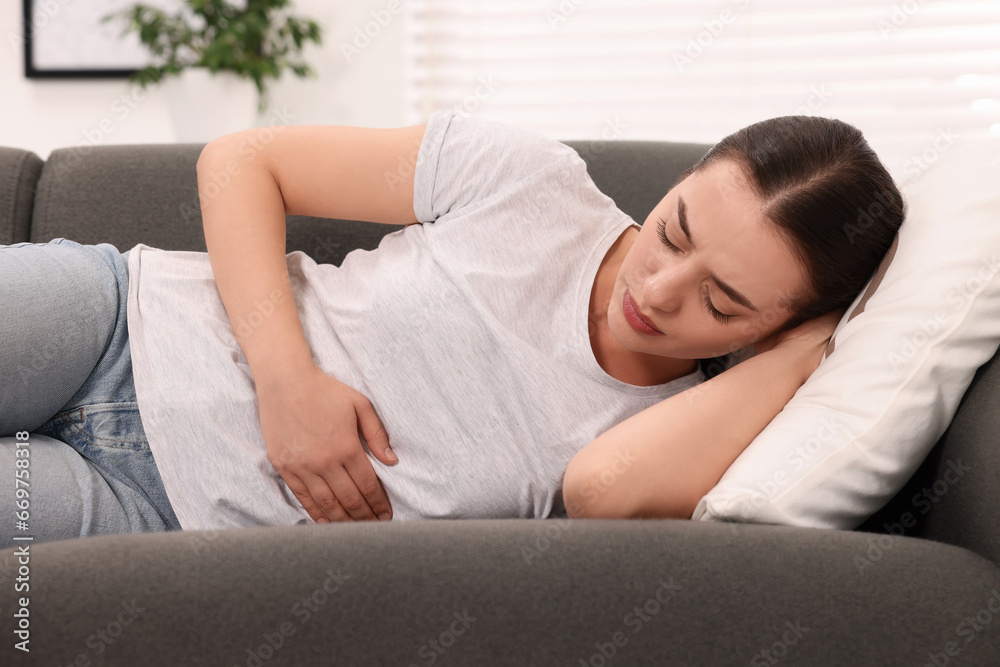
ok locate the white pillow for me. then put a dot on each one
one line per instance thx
(897, 366)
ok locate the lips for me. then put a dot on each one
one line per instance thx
(635, 318)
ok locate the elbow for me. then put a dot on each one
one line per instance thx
(579, 497)
(660, 502)
(589, 496)
(677, 508)
(222, 152)
(208, 154)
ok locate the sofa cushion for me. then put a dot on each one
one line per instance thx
(896, 367)
(120, 194)
(636, 174)
(509, 591)
(129, 194)
(19, 173)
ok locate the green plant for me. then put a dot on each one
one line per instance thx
(256, 43)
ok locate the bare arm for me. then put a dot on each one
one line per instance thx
(244, 224)
(248, 181)
(247, 184)
(661, 461)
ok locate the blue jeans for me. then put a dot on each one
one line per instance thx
(66, 382)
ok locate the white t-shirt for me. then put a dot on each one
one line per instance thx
(468, 332)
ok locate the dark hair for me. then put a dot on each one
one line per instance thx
(827, 191)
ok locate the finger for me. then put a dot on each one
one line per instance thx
(351, 482)
(334, 490)
(370, 487)
(351, 499)
(375, 434)
(325, 495)
(305, 498)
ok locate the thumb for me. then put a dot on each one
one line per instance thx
(374, 432)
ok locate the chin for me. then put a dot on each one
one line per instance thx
(690, 353)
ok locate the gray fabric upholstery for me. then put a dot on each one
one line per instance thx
(954, 496)
(511, 592)
(559, 591)
(148, 193)
(19, 173)
(636, 174)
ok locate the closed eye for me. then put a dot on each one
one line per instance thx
(661, 231)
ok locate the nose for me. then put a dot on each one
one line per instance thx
(665, 289)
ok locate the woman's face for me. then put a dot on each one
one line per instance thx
(726, 253)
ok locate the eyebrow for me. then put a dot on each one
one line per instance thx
(730, 291)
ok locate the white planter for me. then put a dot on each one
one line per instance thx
(204, 106)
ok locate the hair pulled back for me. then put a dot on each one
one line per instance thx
(826, 190)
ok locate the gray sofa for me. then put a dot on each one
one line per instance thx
(916, 584)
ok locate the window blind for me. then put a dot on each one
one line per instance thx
(917, 76)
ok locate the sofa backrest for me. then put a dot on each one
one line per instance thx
(954, 496)
(19, 173)
(127, 194)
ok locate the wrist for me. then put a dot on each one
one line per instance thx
(280, 370)
(803, 356)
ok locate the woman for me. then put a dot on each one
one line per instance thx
(524, 343)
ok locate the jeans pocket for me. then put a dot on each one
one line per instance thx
(115, 426)
(110, 436)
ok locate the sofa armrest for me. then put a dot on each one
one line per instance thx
(510, 591)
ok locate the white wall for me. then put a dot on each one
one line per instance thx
(40, 115)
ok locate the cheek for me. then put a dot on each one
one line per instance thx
(768, 322)
(704, 332)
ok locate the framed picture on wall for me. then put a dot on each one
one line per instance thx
(66, 38)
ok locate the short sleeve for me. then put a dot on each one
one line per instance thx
(463, 160)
